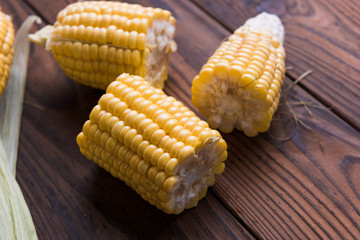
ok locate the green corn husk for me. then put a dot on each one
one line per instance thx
(15, 217)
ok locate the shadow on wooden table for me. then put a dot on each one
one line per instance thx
(124, 209)
(131, 216)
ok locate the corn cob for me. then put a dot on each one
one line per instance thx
(6, 48)
(153, 143)
(94, 42)
(239, 87)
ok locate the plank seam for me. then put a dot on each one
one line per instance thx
(237, 217)
(33, 9)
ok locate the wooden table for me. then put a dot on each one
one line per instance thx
(305, 188)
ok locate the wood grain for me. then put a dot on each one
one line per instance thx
(304, 188)
(320, 35)
(70, 197)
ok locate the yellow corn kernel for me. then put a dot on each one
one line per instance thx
(118, 38)
(138, 134)
(6, 48)
(240, 85)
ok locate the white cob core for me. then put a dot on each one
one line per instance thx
(266, 23)
(195, 176)
(159, 40)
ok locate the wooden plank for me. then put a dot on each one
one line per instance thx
(302, 188)
(70, 197)
(319, 36)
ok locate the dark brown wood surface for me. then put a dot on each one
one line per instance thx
(303, 188)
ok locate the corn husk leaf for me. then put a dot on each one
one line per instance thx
(12, 99)
(15, 217)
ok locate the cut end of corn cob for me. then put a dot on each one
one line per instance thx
(239, 87)
(96, 41)
(153, 143)
(7, 37)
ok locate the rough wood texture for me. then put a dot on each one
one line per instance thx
(306, 187)
(320, 35)
(70, 197)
